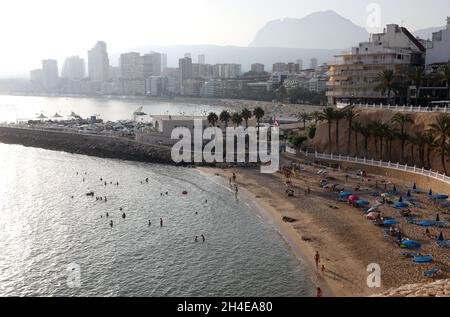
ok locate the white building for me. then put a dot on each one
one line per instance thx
(98, 63)
(156, 85)
(73, 68)
(152, 64)
(438, 50)
(313, 63)
(50, 75)
(131, 66)
(201, 59)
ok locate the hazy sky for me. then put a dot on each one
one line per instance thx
(32, 30)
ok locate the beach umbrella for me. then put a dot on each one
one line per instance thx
(411, 244)
(401, 205)
(441, 237)
(391, 222)
(438, 218)
(426, 223)
(42, 116)
(57, 115)
(353, 198)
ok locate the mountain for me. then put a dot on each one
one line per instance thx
(320, 30)
(236, 54)
(426, 33)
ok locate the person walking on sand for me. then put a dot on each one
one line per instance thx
(317, 259)
(319, 292)
(323, 269)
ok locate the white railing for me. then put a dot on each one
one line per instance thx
(371, 162)
(403, 108)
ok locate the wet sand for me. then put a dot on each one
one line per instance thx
(345, 239)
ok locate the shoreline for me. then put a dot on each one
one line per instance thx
(271, 217)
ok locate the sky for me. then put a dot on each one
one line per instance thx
(32, 30)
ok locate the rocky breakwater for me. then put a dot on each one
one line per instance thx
(439, 288)
(87, 144)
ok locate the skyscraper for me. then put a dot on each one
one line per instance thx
(98, 63)
(73, 68)
(151, 64)
(185, 66)
(201, 59)
(300, 63)
(163, 62)
(50, 75)
(257, 68)
(131, 66)
(314, 63)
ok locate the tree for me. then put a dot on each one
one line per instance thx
(387, 83)
(304, 117)
(384, 130)
(366, 133)
(328, 115)
(356, 128)
(402, 120)
(338, 116)
(374, 127)
(236, 118)
(298, 140)
(430, 145)
(246, 115)
(417, 78)
(350, 115)
(212, 119)
(225, 117)
(315, 115)
(259, 114)
(441, 130)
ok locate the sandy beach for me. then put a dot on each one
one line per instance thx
(346, 240)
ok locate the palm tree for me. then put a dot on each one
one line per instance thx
(304, 117)
(430, 144)
(387, 83)
(421, 143)
(225, 117)
(417, 78)
(366, 133)
(402, 120)
(446, 77)
(384, 130)
(350, 115)
(391, 136)
(441, 130)
(246, 115)
(212, 119)
(259, 114)
(315, 115)
(328, 115)
(356, 128)
(337, 117)
(236, 118)
(374, 127)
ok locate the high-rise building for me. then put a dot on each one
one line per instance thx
(152, 64)
(257, 68)
(73, 68)
(131, 66)
(163, 62)
(50, 75)
(300, 63)
(201, 59)
(226, 71)
(187, 55)
(185, 66)
(36, 76)
(314, 63)
(98, 63)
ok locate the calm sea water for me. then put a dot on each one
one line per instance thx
(29, 107)
(45, 234)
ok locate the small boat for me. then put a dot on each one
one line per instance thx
(185, 192)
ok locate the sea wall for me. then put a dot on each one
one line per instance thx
(94, 145)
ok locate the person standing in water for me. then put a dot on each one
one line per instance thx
(111, 223)
(149, 223)
(203, 238)
(124, 216)
(196, 238)
(161, 222)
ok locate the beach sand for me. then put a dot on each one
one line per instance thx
(345, 239)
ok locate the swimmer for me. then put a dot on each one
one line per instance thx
(196, 238)
(107, 215)
(124, 216)
(111, 223)
(149, 223)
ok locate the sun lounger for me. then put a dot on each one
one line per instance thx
(431, 273)
(443, 244)
(423, 259)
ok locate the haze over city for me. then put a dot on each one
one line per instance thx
(38, 30)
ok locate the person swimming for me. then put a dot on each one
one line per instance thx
(124, 216)
(111, 223)
(121, 209)
(196, 238)
(149, 223)
(146, 180)
(107, 215)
